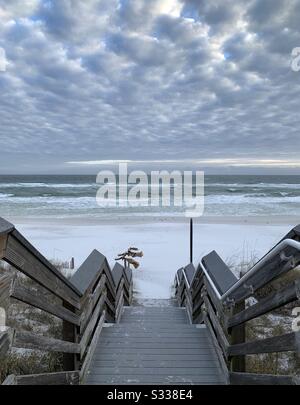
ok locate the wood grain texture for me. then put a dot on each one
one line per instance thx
(5, 287)
(62, 378)
(33, 341)
(19, 257)
(154, 345)
(6, 338)
(10, 380)
(282, 343)
(36, 300)
(265, 305)
(262, 379)
(88, 332)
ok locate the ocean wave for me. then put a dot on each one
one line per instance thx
(230, 187)
(254, 185)
(2, 195)
(231, 198)
(48, 185)
(251, 199)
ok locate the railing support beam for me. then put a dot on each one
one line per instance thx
(69, 332)
(238, 335)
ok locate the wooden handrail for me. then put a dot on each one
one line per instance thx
(201, 291)
(94, 295)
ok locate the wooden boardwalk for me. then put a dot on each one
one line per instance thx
(201, 340)
(154, 345)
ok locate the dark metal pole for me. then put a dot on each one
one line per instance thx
(191, 240)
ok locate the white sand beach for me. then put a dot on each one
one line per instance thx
(165, 243)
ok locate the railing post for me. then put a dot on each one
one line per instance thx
(69, 332)
(238, 335)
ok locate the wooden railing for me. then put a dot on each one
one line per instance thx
(94, 295)
(213, 295)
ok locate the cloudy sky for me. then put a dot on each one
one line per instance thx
(82, 81)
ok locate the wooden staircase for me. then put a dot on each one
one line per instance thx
(200, 337)
(154, 345)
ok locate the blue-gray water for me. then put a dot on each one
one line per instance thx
(75, 196)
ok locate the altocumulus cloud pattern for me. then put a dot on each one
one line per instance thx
(153, 79)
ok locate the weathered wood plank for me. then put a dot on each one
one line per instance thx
(124, 344)
(30, 340)
(218, 349)
(196, 359)
(180, 294)
(189, 272)
(128, 274)
(5, 285)
(197, 288)
(271, 270)
(222, 339)
(144, 354)
(87, 334)
(42, 302)
(175, 362)
(117, 274)
(126, 284)
(157, 371)
(265, 305)
(214, 299)
(197, 281)
(3, 243)
(5, 227)
(188, 306)
(283, 343)
(154, 380)
(119, 309)
(61, 378)
(132, 338)
(92, 347)
(218, 271)
(126, 296)
(23, 260)
(155, 333)
(156, 351)
(120, 292)
(91, 303)
(10, 380)
(237, 336)
(34, 252)
(262, 379)
(110, 306)
(155, 317)
(69, 334)
(88, 274)
(197, 308)
(6, 338)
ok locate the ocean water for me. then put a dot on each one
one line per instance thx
(75, 196)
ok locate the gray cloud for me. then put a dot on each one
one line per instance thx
(147, 79)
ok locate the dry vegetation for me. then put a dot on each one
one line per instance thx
(25, 317)
(275, 323)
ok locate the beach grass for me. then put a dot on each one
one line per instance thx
(25, 317)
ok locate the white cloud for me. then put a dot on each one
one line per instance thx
(17, 8)
(3, 61)
(149, 79)
(222, 162)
